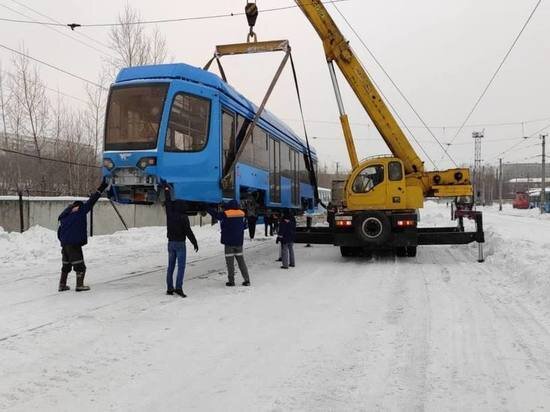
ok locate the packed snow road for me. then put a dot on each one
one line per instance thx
(436, 332)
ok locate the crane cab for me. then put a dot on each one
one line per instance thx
(380, 183)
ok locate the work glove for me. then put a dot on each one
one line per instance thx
(103, 185)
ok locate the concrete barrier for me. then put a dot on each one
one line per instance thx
(43, 211)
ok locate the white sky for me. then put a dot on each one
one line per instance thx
(441, 53)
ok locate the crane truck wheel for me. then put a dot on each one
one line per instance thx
(373, 227)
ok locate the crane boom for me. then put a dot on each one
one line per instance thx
(337, 50)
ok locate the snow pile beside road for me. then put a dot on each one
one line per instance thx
(516, 242)
(520, 249)
(22, 248)
(39, 248)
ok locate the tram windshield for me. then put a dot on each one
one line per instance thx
(133, 117)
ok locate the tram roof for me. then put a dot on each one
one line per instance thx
(194, 74)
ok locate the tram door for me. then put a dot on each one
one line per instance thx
(275, 171)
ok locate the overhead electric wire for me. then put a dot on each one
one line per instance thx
(48, 159)
(432, 127)
(51, 66)
(53, 90)
(57, 21)
(392, 82)
(476, 104)
(54, 29)
(520, 142)
(159, 21)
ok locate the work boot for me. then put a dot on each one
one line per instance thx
(246, 283)
(230, 284)
(179, 292)
(169, 291)
(80, 287)
(63, 282)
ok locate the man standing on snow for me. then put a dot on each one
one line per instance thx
(232, 223)
(286, 235)
(178, 229)
(73, 234)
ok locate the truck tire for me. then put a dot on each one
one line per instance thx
(373, 227)
(411, 251)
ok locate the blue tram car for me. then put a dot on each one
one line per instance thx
(182, 124)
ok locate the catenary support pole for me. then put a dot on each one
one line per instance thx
(500, 181)
(542, 198)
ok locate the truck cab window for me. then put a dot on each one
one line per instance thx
(395, 171)
(368, 179)
(188, 125)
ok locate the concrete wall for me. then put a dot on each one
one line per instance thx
(44, 212)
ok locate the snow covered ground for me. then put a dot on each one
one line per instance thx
(437, 332)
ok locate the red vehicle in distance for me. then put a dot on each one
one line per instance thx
(521, 201)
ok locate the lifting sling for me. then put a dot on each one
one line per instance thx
(244, 135)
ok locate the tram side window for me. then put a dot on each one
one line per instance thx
(261, 149)
(295, 177)
(275, 170)
(368, 179)
(302, 172)
(286, 167)
(247, 155)
(228, 134)
(188, 124)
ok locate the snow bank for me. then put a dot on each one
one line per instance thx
(22, 248)
(518, 243)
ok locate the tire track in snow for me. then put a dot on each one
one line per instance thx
(515, 331)
(467, 357)
(65, 318)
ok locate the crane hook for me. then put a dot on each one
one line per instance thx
(251, 11)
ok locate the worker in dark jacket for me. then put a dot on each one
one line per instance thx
(233, 223)
(286, 235)
(73, 234)
(178, 229)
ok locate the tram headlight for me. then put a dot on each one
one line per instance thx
(108, 164)
(146, 161)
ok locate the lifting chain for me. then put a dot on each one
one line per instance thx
(251, 10)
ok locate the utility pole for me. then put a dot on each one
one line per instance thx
(337, 169)
(500, 180)
(543, 175)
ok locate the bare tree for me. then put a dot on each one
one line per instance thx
(30, 94)
(132, 44)
(3, 106)
(95, 112)
(158, 50)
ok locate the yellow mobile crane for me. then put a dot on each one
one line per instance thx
(382, 194)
